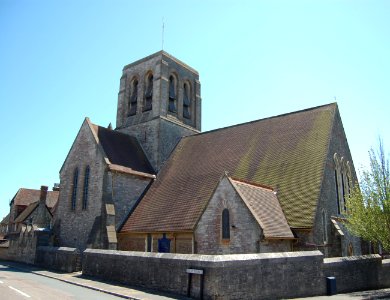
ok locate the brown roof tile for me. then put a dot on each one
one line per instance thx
(123, 150)
(287, 152)
(264, 205)
(24, 197)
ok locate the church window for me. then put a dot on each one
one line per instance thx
(74, 189)
(337, 192)
(225, 224)
(187, 101)
(148, 93)
(85, 192)
(324, 229)
(172, 94)
(133, 98)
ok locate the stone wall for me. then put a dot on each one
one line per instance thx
(238, 276)
(59, 258)
(84, 152)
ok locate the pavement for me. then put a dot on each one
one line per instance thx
(111, 288)
(126, 292)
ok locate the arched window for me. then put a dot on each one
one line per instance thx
(148, 93)
(133, 98)
(225, 224)
(74, 189)
(85, 191)
(187, 101)
(338, 184)
(324, 227)
(172, 94)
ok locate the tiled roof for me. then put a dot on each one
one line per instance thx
(5, 220)
(264, 206)
(122, 149)
(286, 152)
(24, 197)
(25, 213)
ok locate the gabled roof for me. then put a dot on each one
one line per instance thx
(287, 152)
(24, 197)
(264, 205)
(5, 220)
(122, 150)
(27, 212)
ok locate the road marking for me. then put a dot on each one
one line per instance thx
(20, 292)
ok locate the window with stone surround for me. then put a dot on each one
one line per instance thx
(74, 188)
(225, 224)
(172, 97)
(148, 92)
(342, 182)
(187, 100)
(85, 190)
(133, 100)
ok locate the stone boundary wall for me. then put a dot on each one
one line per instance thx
(239, 276)
(59, 258)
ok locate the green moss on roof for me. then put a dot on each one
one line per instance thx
(287, 152)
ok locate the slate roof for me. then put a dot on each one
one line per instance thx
(264, 206)
(122, 149)
(286, 152)
(24, 197)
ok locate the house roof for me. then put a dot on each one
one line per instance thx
(123, 150)
(264, 205)
(26, 212)
(24, 197)
(287, 152)
(5, 220)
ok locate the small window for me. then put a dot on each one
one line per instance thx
(225, 224)
(85, 192)
(148, 93)
(337, 192)
(74, 189)
(172, 94)
(187, 101)
(133, 98)
(324, 227)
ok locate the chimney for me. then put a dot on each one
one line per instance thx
(56, 187)
(42, 199)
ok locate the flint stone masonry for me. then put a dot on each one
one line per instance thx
(59, 258)
(239, 276)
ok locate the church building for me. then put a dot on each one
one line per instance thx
(156, 183)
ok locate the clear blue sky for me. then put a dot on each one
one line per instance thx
(61, 61)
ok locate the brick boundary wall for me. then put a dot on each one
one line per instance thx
(59, 258)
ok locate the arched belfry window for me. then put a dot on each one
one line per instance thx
(172, 94)
(74, 188)
(86, 184)
(187, 101)
(133, 98)
(148, 93)
(225, 224)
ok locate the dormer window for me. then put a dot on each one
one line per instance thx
(148, 93)
(187, 101)
(172, 94)
(133, 98)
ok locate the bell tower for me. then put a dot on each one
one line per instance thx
(159, 102)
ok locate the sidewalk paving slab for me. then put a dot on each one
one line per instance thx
(112, 288)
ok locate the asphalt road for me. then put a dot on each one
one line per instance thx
(20, 285)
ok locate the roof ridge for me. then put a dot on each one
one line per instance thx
(253, 183)
(263, 119)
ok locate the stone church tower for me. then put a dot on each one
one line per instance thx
(159, 102)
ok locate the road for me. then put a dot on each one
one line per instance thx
(16, 284)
